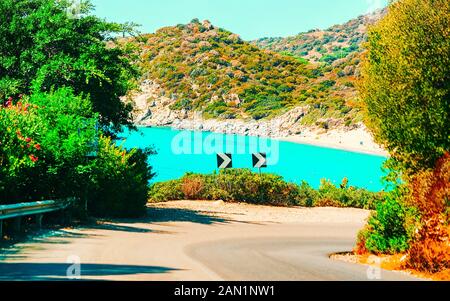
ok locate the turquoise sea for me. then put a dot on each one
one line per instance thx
(186, 151)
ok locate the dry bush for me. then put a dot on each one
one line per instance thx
(192, 187)
(430, 193)
(361, 248)
(430, 190)
(429, 255)
(326, 202)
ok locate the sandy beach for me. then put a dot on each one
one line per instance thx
(357, 140)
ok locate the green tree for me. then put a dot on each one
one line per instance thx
(43, 46)
(406, 88)
(406, 82)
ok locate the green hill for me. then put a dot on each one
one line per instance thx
(325, 46)
(203, 68)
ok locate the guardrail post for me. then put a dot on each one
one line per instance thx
(66, 217)
(17, 224)
(39, 221)
(15, 212)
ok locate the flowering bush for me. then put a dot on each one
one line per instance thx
(16, 146)
(43, 142)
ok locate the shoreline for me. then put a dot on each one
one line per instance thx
(349, 141)
(333, 144)
(286, 127)
(325, 144)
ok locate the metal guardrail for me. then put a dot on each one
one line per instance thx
(16, 211)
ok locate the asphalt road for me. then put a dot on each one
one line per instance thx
(186, 244)
(287, 258)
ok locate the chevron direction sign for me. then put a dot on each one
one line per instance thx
(224, 161)
(259, 160)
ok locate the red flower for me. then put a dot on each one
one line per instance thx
(37, 146)
(34, 158)
(28, 140)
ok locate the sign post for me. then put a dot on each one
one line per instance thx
(224, 161)
(259, 161)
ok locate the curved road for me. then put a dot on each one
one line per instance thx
(199, 241)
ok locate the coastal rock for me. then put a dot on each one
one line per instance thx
(207, 25)
(232, 99)
(152, 109)
(147, 115)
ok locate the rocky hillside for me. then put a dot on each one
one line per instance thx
(201, 68)
(199, 71)
(325, 46)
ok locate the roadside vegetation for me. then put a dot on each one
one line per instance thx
(405, 85)
(60, 109)
(62, 78)
(243, 185)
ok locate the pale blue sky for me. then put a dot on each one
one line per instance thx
(249, 18)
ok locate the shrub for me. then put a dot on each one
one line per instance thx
(192, 187)
(430, 189)
(345, 196)
(406, 92)
(165, 191)
(243, 185)
(325, 202)
(229, 185)
(430, 193)
(389, 229)
(306, 195)
(44, 140)
(183, 104)
(119, 181)
(429, 255)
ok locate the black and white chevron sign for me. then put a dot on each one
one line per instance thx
(224, 161)
(259, 160)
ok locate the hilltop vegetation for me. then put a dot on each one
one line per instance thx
(207, 69)
(325, 46)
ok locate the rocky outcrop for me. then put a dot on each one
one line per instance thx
(153, 108)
